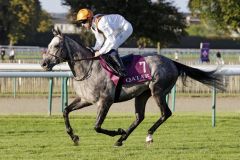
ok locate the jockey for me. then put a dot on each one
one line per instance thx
(110, 32)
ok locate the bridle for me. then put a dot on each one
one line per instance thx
(72, 61)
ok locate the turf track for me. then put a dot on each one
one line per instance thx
(183, 136)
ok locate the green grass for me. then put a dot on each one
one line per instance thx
(183, 137)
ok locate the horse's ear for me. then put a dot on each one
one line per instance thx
(54, 31)
(59, 32)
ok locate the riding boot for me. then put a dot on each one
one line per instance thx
(118, 63)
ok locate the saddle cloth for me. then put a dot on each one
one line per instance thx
(137, 70)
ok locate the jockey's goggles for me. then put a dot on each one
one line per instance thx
(82, 22)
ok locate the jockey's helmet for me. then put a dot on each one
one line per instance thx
(84, 14)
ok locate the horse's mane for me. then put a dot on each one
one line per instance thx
(77, 47)
(74, 42)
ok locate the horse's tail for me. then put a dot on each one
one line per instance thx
(206, 77)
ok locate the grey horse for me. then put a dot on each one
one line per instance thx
(93, 86)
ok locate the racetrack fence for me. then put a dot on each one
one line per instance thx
(39, 86)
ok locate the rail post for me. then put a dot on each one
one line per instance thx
(173, 97)
(65, 92)
(167, 98)
(214, 106)
(14, 87)
(62, 94)
(158, 47)
(50, 96)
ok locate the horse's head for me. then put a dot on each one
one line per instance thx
(56, 52)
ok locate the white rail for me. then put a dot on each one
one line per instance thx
(30, 67)
(227, 70)
(36, 74)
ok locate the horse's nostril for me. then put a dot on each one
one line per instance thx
(44, 64)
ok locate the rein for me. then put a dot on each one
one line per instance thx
(89, 71)
(72, 61)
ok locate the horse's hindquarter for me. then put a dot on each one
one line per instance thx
(164, 75)
(163, 71)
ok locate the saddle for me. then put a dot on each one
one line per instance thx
(136, 67)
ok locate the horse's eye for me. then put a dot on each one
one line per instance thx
(57, 46)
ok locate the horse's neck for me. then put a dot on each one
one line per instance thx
(79, 68)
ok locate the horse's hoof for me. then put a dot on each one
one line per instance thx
(149, 139)
(118, 144)
(149, 142)
(75, 140)
(121, 131)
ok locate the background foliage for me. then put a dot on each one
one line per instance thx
(23, 22)
(22, 19)
(222, 14)
(158, 22)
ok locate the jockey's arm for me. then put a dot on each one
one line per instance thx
(99, 41)
(110, 39)
(108, 45)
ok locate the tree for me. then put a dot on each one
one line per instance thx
(4, 23)
(45, 22)
(202, 30)
(222, 14)
(143, 42)
(21, 19)
(155, 21)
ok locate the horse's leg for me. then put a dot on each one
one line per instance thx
(101, 115)
(75, 105)
(140, 103)
(165, 114)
